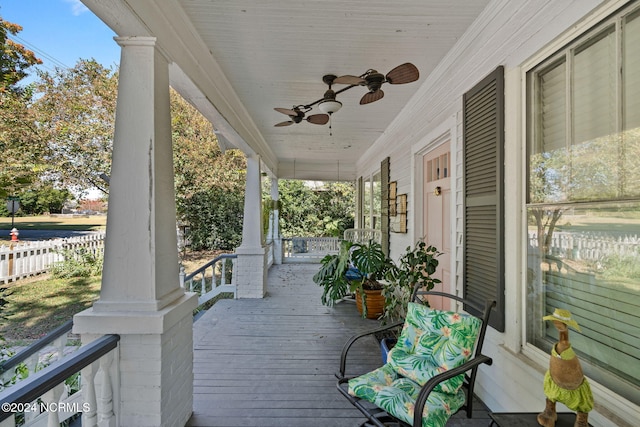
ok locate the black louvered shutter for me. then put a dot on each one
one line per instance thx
(483, 194)
(384, 209)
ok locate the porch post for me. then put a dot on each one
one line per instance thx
(251, 274)
(274, 223)
(141, 298)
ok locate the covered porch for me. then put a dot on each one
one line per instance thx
(271, 361)
(238, 60)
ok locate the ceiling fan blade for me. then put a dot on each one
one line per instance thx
(287, 123)
(370, 97)
(349, 80)
(287, 111)
(405, 73)
(318, 119)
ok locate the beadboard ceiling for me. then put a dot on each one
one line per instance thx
(273, 53)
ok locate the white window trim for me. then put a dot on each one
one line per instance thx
(606, 399)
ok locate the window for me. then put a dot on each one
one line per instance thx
(366, 204)
(583, 201)
(372, 202)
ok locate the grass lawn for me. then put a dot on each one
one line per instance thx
(36, 306)
(53, 222)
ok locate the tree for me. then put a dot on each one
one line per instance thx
(76, 108)
(209, 183)
(20, 139)
(44, 199)
(15, 59)
(309, 211)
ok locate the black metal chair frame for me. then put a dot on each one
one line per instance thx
(378, 416)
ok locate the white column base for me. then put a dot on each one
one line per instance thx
(155, 386)
(251, 272)
(277, 250)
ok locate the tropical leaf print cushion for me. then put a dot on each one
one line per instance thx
(434, 341)
(431, 342)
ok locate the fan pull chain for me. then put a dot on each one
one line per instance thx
(330, 132)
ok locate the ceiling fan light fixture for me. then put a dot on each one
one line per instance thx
(329, 106)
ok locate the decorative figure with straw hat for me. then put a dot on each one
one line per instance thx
(564, 382)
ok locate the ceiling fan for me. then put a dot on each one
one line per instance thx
(328, 104)
(297, 115)
(373, 80)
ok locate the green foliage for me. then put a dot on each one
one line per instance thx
(331, 275)
(620, 267)
(15, 59)
(77, 263)
(414, 269)
(306, 211)
(22, 143)
(215, 219)
(43, 199)
(369, 259)
(76, 109)
(209, 183)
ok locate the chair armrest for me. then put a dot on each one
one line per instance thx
(353, 339)
(421, 400)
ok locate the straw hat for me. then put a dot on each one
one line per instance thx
(563, 316)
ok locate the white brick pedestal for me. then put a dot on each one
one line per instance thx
(154, 386)
(251, 274)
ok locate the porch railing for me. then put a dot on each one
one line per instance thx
(308, 249)
(44, 399)
(54, 344)
(212, 279)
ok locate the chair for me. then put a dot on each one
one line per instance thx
(432, 367)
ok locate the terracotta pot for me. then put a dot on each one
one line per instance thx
(375, 303)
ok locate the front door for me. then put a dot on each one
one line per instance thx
(436, 214)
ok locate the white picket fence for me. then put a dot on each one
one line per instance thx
(590, 246)
(25, 259)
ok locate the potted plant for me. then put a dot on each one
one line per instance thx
(356, 268)
(415, 269)
(376, 269)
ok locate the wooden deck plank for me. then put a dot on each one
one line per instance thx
(271, 362)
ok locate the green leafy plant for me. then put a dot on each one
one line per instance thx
(370, 261)
(415, 268)
(332, 274)
(77, 263)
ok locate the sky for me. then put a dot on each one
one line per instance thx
(61, 32)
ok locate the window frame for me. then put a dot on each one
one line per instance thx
(581, 35)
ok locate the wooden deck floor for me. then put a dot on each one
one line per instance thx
(271, 362)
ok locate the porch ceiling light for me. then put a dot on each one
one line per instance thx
(329, 106)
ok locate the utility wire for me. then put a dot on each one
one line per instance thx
(40, 52)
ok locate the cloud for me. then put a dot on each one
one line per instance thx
(77, 8)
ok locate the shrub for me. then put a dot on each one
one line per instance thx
(77, 263)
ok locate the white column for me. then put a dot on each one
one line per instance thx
(274, 223)
(141, 298)
(251, 274)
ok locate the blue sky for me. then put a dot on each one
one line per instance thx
(61, 31)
